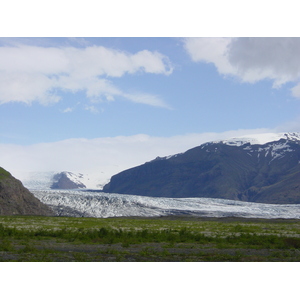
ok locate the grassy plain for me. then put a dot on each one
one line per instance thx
(135, 239)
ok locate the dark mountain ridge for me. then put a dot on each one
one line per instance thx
(266, 173)
(15, 199)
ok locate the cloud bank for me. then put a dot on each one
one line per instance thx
(102, 156)
(251, 59)
(31, 73)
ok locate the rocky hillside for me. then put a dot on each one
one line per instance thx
(15, 199)
(238, 169)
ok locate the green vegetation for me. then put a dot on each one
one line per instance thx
(4, 174)
(32, 238)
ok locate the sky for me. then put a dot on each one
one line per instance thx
(85, 104)
(53, 89)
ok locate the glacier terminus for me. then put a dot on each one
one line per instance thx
(81, 203)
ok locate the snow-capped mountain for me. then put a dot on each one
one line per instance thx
(67, 180)
(61, 180)
(274, 145)
(257, 139)
(260, 139)
(261, 168)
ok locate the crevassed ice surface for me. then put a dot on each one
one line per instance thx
(104, 205)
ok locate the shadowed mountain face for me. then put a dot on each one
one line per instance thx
(268, 173)
(67, 180)
(15, 199)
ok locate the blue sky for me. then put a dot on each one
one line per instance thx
(128, 100)
(180, 95)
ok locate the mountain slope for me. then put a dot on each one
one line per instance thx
(15, 199)
(67, 180)
(239, 169)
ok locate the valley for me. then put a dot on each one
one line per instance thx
(136, 239)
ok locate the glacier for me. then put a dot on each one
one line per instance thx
(92, 203)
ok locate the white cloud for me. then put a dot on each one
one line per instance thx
(92, 109)
(102, 156)
(210, 50)
(24, 87)
(251, 59)
(146, 99)
(68, 110)
(31, 73)
(152, 62)
(33, 60)
(296, 91)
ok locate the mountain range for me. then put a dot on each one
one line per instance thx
(262, 168)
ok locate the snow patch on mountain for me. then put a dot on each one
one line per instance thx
(166, 157)
(67, 180)
(271, 143)
(260, 139)
(76, 178)
(276, 150)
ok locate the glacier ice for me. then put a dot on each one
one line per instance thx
(103, 205)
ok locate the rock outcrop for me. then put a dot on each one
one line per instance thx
(15, 199)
